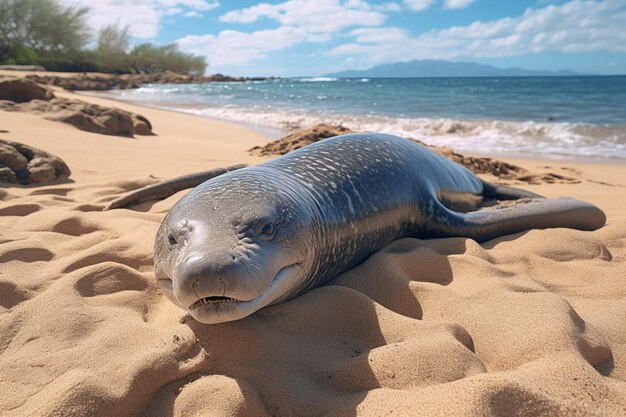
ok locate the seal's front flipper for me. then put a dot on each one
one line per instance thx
(523, 214)
(167, 188)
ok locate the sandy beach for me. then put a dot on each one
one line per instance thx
(527, 324)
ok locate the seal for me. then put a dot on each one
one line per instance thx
(260, 235)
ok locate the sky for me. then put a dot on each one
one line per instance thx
(315, 37)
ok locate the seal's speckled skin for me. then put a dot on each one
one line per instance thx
(263, 234)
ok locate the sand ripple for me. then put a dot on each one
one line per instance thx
(529, 324)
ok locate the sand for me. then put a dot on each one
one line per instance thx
(527, 324)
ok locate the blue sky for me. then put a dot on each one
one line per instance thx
(313, 37)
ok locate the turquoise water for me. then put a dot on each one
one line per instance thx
(557, 117)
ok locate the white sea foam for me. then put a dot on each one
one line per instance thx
(545, 139)
(316, 79)
(153, 91)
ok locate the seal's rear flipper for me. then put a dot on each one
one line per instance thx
(167, 188)
(502, 192)
(524, 214)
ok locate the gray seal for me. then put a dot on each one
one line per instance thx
(264, 234)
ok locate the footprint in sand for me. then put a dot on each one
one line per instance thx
(11, 295)
(109, 278)
(19, 209)
(27, 255)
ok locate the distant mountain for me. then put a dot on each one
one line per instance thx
(437, 68)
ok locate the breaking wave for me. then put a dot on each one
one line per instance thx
(317, 79)
(545, 139)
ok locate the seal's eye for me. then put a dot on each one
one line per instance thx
(171, 239)
(268, 229)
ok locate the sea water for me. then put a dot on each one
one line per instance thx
(550, 117)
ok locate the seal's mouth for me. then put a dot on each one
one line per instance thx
(212, 300)
(217, 309)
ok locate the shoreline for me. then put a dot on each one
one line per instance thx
(275, 132)
(271, 132)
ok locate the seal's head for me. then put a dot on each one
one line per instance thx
(233, 245)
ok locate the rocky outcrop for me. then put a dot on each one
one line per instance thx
(22, 68)
(100, 82)
(19, 90)
(23, 164)
(84, 81)
(18, 94)
(479, 165)
(169, 77)
(86, 116)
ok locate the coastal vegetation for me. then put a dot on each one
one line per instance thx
(57, 37)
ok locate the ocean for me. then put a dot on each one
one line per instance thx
(548, 117)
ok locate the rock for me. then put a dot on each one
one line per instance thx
(141, 124)
(11, 158)
(84, 81)
(40, 166)
(479, 165)
(115, 122)
(100, 82)
(7, 175)
(19, 90)
(41, 170)
(86, 116)
(94, 118)
(22, 68)
(297, 140)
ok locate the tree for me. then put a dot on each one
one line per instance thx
(45, 27)
(111, 52)
(113, 38)
(45, 32)
(149, 58)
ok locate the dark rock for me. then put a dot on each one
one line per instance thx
(11, 158)
(19, 90)
(40, 166)
(8, 175)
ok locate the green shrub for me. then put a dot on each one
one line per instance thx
(46, 33)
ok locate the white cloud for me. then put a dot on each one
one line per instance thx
(300, 21)
(321, 16)
(379, 35)
(456, 4)
(418, 5)
(201, 5)
(192, 13)
(231, 47)
(388, 7)
(574, 27)
(173, 11)
(421, 5)
(142, 16)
